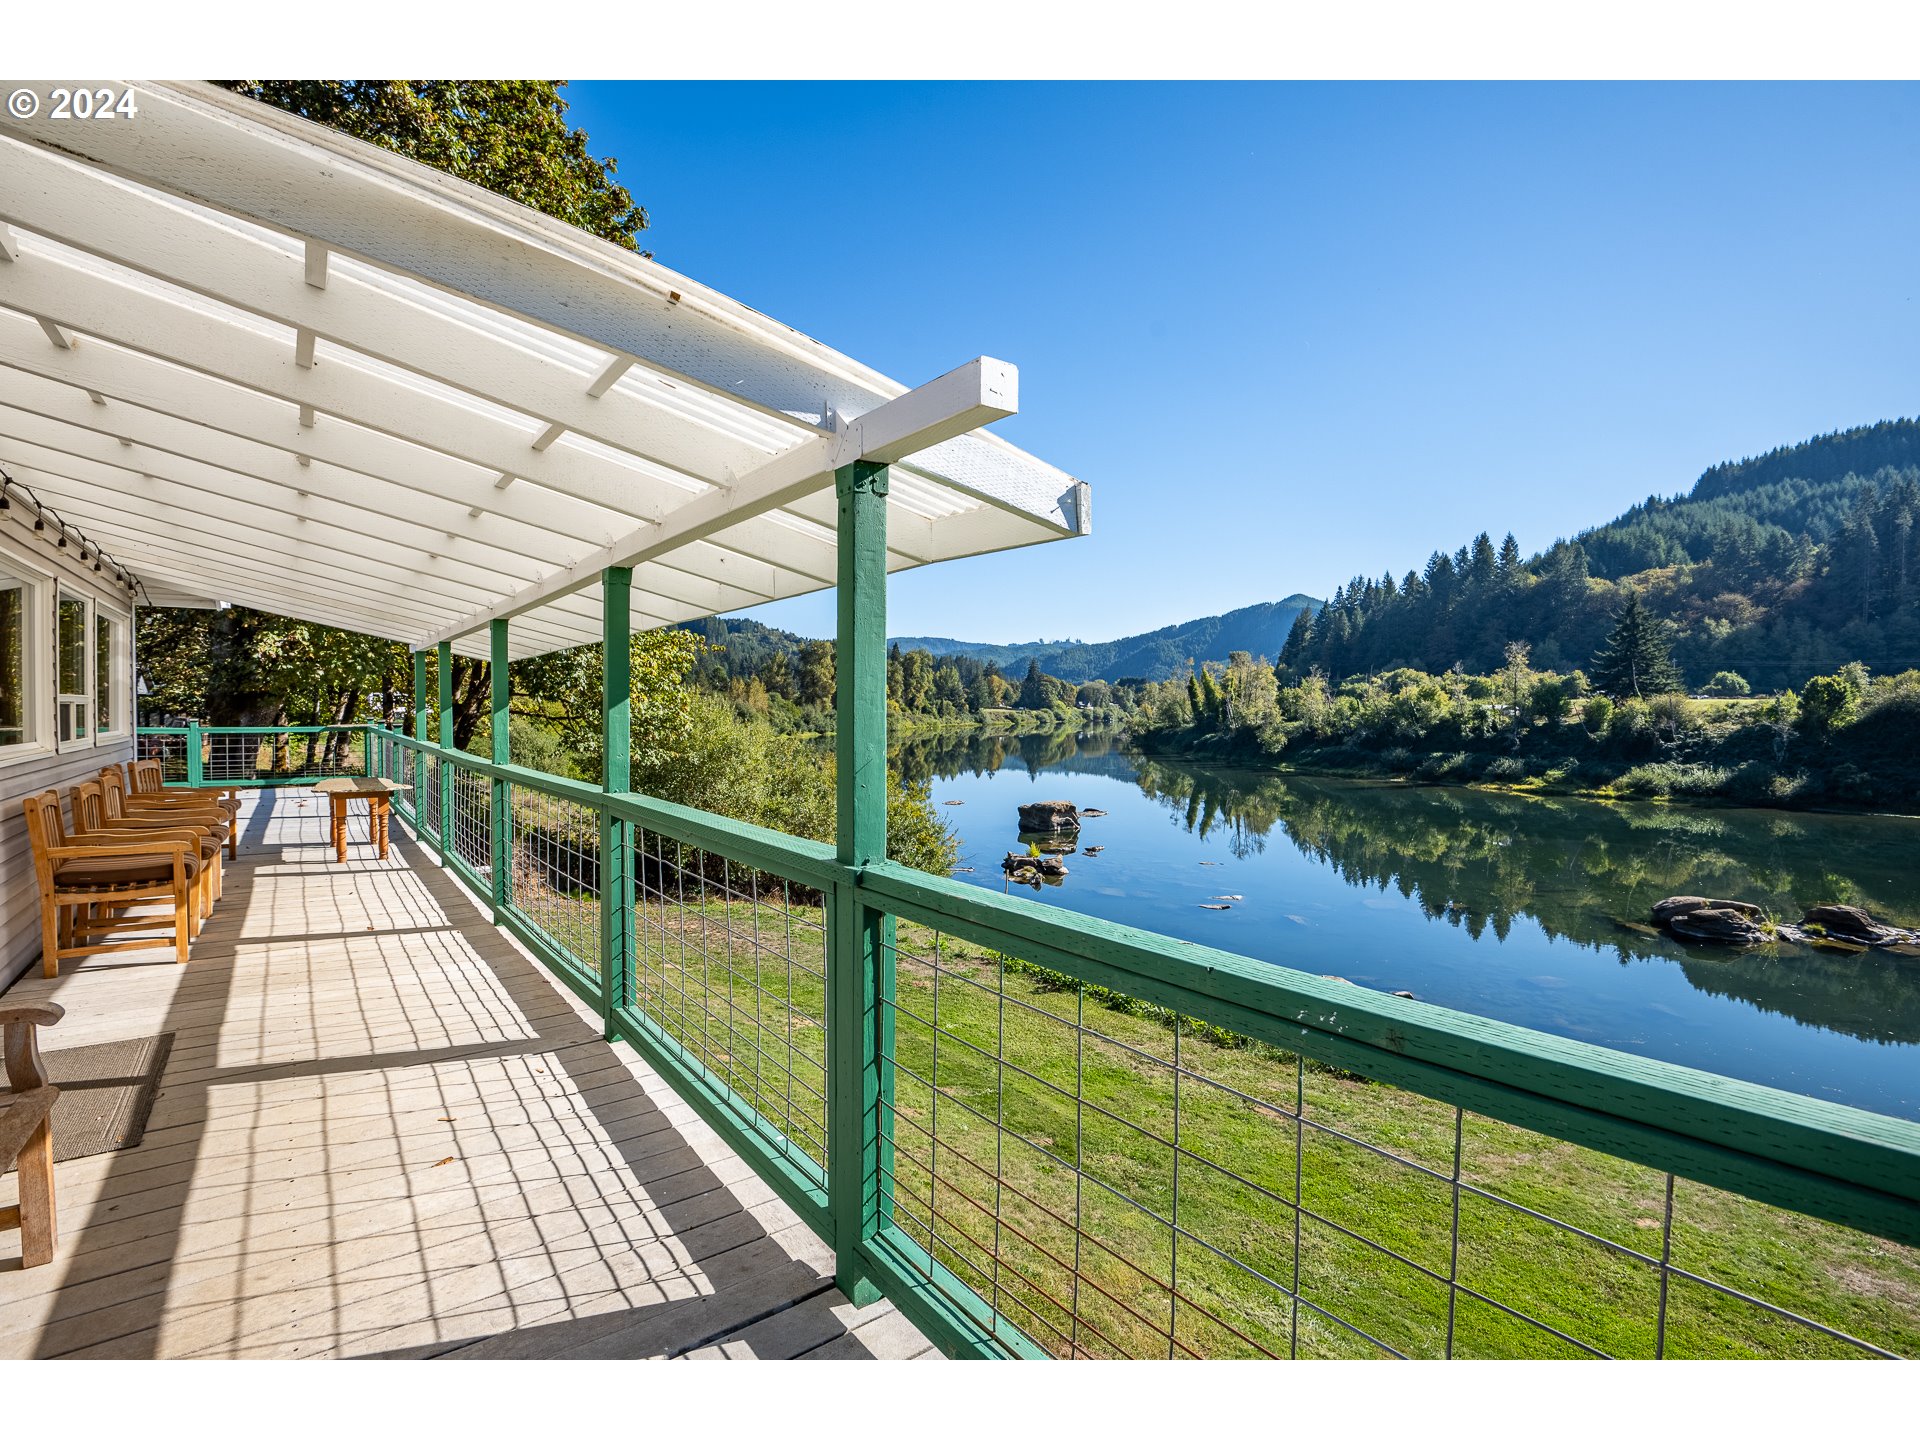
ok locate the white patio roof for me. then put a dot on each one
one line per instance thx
(265, 363)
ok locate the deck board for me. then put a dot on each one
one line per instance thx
(385, 1131)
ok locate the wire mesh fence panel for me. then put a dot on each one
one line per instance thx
(268, 756)
(169, 749)
(1117, 1180)
(406, 769)
(731, 963)
(472, 837)
(553, 882)
(427, 796)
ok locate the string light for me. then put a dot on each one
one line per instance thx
(119, 573)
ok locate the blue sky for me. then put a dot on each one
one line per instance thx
(1290, 333)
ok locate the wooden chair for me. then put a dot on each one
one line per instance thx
(94, 815)
(190, 807)
(142, 790)
(26, 1127)
(80, 874)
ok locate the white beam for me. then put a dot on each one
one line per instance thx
(610, 376)
(54, 333)
(316, 265)
(131, 314)
(550, 529)
(10, 249)
(163, 388)
(471, 243)
(961, 400)
(84, 209)
(303, 345)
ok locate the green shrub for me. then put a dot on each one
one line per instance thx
(1670, 778)
(1827, 703)
(1726, 684)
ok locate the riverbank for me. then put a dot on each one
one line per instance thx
(1741, 769)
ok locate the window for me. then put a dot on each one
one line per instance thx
(72, 665)
(16, 660)
(108, 664)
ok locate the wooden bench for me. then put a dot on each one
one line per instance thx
(26, 1127)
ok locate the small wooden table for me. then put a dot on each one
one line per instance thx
(378, 794)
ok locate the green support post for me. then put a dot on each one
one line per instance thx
(616, 836)
(419, 694)
(860, 957)
(196, 769)
(500, 840)
(445, 738)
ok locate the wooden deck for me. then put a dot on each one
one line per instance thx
(386, 1132)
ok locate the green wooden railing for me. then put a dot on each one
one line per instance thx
(238, 756)
(1041, 1133)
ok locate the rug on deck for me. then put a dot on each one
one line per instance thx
(106, 1094)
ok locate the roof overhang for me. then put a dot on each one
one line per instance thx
(264, 362)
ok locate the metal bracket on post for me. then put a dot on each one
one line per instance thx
(616, 836)
(860, 950)
(500, 826)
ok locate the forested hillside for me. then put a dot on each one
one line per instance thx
(1157, 655)
(1776, 568)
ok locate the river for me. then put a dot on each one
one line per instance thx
(1525, 909)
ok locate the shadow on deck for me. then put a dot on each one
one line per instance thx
(384, 1131)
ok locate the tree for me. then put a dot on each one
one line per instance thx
(1516, 687)
(1827, 703)
(1033, 689)
(1728, 683)
(815, 680)
(1636, 658)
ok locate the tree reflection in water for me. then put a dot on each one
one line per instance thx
(1585, 871)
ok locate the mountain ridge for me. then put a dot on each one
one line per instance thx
(1259, 629)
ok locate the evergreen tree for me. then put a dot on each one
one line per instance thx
(1033, 689)
(1636, 658)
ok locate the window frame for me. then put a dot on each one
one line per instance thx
(37, 585)
(82, 698)
(119, 667)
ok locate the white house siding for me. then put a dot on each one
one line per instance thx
(48, 769)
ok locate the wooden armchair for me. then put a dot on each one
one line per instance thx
(142, 790)
(95, 814)
(105, 873)
(26, 1127)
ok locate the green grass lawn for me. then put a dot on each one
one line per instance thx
(1035, 1155)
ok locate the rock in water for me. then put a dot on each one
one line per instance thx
(1216, 907)
(1720, 925)
(1676, 905)
(1085, 813)
(1045, 815)
(1038, 864)
(1850, 922)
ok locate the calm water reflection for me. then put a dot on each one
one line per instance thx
(1530, 910)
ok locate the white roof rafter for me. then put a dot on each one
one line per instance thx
(277, 365)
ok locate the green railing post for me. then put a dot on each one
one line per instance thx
(616, 835)
(500, 841)
(420, 695)
(196, 769)
(860, 951)
(442, 767)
